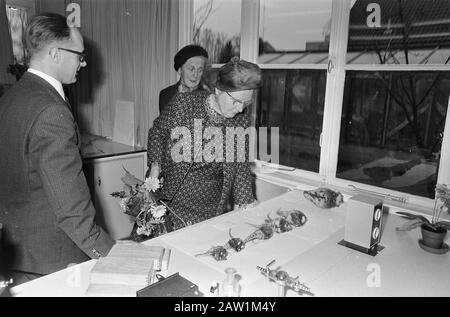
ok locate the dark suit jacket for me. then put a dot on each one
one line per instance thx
(166, 95)
(45, 204)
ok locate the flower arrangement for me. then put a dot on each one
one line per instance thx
(140, 200)
(441, 204)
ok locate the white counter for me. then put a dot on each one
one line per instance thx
(311, 252)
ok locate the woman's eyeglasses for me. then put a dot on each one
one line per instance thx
(81, 56)
(243, 103)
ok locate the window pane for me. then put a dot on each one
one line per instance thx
(217, 27)
(293, 101)
(294, 32)
(392, 128)
(399, 32)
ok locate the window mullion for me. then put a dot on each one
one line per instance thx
(249, 30)
(249, 45)
(444, 160)
(334, 89)
(185, 22)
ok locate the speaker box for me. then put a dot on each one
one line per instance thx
(363, 223)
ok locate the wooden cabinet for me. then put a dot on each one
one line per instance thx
(103, 174)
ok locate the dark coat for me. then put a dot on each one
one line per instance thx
(45, 204)
(166, 95)
(204, 189)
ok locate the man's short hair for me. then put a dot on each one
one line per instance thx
(45, 29)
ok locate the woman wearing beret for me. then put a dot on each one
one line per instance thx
(203, 167)
(189, 62)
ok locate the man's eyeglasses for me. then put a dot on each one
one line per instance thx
(81, 56)
(243, 103)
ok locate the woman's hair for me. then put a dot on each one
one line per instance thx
(45, 29)
(238, 75)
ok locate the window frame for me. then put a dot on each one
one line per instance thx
(336, 72)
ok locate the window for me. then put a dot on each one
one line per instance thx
(217, 26)
(399, 32)
(293, 38)
(293, 100)
(358, 89)
(392, 128)
(294, 32)
(393, 117)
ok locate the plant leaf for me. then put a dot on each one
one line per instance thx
(413, 216)
(443, 224)
(409, 225)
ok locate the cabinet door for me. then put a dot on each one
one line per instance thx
(107, 174)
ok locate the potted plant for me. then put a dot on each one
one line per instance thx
(434, 230)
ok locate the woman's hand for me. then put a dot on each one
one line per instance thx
(154, 170)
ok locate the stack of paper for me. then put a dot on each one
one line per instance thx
(127, 268)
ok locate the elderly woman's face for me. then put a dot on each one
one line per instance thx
(191, 72)
(232, 103)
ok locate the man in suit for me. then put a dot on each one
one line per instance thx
(4, 269)
(45, 204)
(189, 63)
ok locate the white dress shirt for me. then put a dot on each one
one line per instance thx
(52, 81)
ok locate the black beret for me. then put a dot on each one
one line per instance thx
(187, 52)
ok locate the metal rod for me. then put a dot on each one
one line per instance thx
(387, 196)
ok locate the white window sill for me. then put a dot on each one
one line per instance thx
(291, 180)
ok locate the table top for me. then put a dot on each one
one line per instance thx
(94, 147)
(310, 252)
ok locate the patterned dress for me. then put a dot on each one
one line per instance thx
(212, 171)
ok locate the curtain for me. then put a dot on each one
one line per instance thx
(17, 18)
(130, 46)
(6, 52)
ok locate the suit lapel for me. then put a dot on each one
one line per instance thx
(77, 130)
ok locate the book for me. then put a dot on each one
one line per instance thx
(127, 268)
(127, 271)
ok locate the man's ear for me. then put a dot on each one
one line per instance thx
(55, 55)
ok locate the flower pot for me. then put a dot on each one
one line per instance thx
(433, 238)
